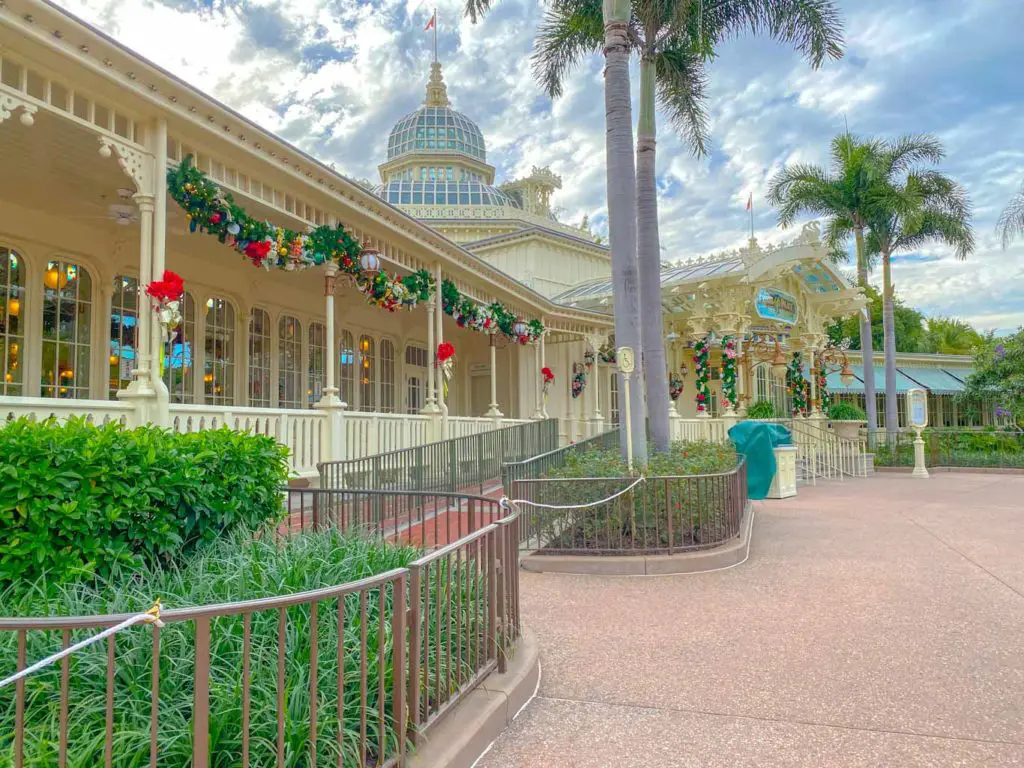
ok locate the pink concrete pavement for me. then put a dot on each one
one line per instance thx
(878, 622)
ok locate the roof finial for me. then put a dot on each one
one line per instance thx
(437, 91)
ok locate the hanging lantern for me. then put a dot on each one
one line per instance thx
(520, 328)
(369, 260)
(846, 375)
(56, 278)
(14, 307)
(779, 361)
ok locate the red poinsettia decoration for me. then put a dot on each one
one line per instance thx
(547, 375)
(257, 251)
(445, 351)
(169, 288)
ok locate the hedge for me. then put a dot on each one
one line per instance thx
(78, 500)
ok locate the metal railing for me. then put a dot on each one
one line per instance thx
(345, 675)
(537, 466)
(661, 515)
(944, 447)
(459, 464)
(821, 453)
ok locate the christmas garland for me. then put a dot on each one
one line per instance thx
(796, 385)
(268, 245)
(729, 372)
(579, 380)
(703, 373)
(823, 396)
(607, 353)
(494, 317)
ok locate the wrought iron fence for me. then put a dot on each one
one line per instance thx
(953, 448)
(660, 516)
(345, 675)
(536, 466)
(459, 464)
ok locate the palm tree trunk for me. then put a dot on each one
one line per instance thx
(870, 404)
(889, 330)
(621, 180)
(649, 261)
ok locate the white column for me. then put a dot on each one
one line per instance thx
(140, 392)
(332, 446)
(595, 384)
(430, 406)
(439, 329)
(161, 416)
(741, 408)
(672, 355)
(493, 411)
(543, 364)
(538, 412)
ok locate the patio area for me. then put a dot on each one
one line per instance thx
(876, 622)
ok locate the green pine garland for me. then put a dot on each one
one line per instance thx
(487, 319)
(729, 371)
(702, 371)
(797, 385)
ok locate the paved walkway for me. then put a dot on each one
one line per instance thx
(877, 622)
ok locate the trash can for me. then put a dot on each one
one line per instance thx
(757, 441)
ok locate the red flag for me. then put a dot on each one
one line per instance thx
(750, 201)
(431, 23)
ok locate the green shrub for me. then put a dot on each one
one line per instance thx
(763, 409)
(237, 567)
(844, 411)
(77, 500)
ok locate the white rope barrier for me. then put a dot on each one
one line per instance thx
(508, 503)
(152, 616)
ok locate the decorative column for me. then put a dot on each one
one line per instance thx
(493, 411)
(161, 416)
(439, 339)
(140, 392)
(333, 446)
(538, 411)
(740, 376)
(543, 364)
(430, 405)
(596, 418)
(672, 354)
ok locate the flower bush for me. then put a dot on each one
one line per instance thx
(845, 411)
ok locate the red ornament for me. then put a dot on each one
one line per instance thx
(169, 288)
(445, 350)
(547, 374)
(257, 251)
(215, 217)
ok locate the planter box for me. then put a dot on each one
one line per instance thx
(849, 430)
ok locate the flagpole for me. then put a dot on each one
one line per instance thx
(435, 35)
(751, 218)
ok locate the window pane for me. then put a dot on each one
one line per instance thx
(124, 321)
(12, 336)
(317, 363)
(367, 374)
(289, 363)
(219, 366)
(179, 367)
(259, 358)
(387, 376)
(347, 364)
(67, 323)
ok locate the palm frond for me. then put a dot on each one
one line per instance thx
(476, 9)
(804, 188)
(569, 32)
(681, 81)
(1011, 220)
(907, 151)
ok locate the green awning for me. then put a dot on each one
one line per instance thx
(903, 384)
(935, 380)
(959, 373)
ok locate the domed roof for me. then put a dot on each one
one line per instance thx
(436, 127)
(461, 193)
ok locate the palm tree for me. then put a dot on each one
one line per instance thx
(950, 336)
(910, 207)
(612, 19)
(843, 195)
(673, 39)
(1011, 221)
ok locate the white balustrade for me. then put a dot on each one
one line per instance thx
(97, 412)
(690, 430)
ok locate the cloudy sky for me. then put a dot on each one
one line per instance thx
(333, 76)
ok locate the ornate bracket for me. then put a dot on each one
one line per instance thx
(137, 165)
(9, 102)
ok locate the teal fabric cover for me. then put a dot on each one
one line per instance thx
(756, 441)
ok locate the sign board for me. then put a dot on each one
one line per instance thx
(917, 408)
(624, 358)
(773, 304)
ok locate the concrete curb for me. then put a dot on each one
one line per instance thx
(964, 470)
(464, 734)
(729, 554)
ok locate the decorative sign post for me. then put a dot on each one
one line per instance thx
(917, 418)
(624, 358)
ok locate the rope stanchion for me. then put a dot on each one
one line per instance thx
(508, 503)
(152, 616)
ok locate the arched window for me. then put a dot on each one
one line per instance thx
(260, 350)
(289, 363)
(179, 356)
(67, 327)
(416, 375)
(367, 374)
(12, 334)
(317, 363)
(613, 393)
(124, 328)
(347, 364)
(387, 376)
(219, 365)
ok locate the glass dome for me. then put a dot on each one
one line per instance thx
(444, 193)
(436, 129)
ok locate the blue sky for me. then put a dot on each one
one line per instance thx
(333, 76)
